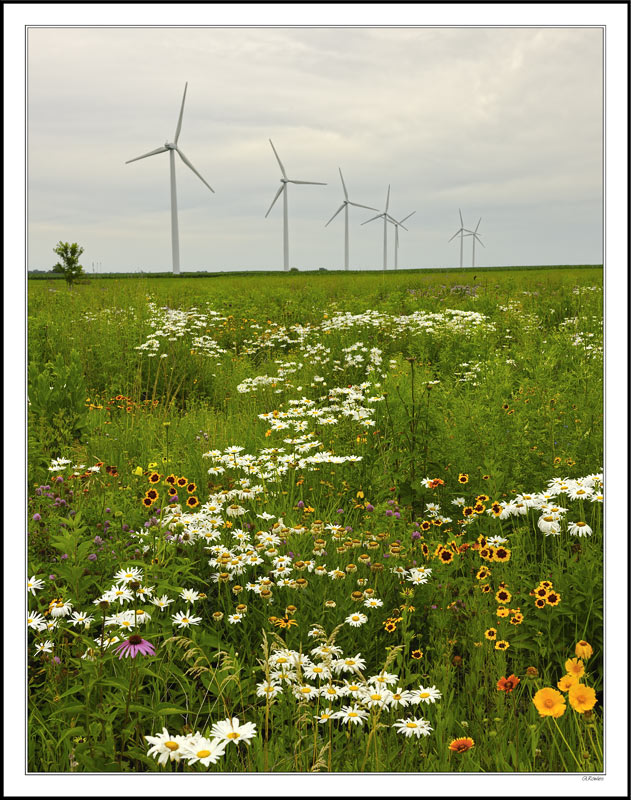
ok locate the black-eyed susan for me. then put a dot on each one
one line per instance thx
(517, 619)
(425, 550)
(546, 584)
(485, 588)
(479, 508)
(501, 644)
(463, 477)
(496, 508)
(191, 488)
(425, 525)
(182, 481)
(482, 573)
(154, 477)
(491, 634)
(446, 556)
(417, 654)
(505, 406)
(152, 494)
(172, 491)
(482, 498)
(541, 591)
(192, 501)
(170, 479)
(501, 554)
(502, 612)
(486, 477)
(503, 596)
(467, 511)
(389, 626)
(540, 602)
(147, 502)
(461, 745)
(553, 598)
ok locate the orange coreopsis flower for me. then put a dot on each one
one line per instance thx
(461, 745)
(566, 683)
(583, 649)
(507, 684)
(574, 666)
(549, 703)
(582, 698)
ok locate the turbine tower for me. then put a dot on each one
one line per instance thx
(386, 219)
(460, 232)
(345, 206)
(475, 236)
(172, 148)
(398, 225)
(283, 190)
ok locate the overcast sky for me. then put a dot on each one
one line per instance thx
(504, 123)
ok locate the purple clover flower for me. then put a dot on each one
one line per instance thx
(92, 557)
(37, 517)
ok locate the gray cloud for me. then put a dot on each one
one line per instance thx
(503, 123)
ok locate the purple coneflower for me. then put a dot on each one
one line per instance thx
(134, 645)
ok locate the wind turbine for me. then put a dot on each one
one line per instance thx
(475, 236)
(345, 206)
(172, 148)
(461, 232)
(398, 225)
(386, 219)
(283, 190)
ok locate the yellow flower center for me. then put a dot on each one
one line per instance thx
(352, 714)
(305, 690)
(184, 619)
(411, 725)
(203, 753)
(172, 745)
(233, 735)
(424, 694)
(375, 697)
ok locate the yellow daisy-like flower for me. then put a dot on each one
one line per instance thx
(575, 667)
(582, 698)
(502, 644)
(549, 703)
(502, 612)
(566, 682)
(583, 649)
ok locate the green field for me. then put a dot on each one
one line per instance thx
(340, 507)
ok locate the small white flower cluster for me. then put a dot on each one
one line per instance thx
(172, 325)
(340, 678)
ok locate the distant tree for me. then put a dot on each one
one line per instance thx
(69, 265)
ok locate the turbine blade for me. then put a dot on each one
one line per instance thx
(394, 221)
(388, 198)
(146, 155)
(276, 196)
(461, 222)
(311, 183)
(179, 122)
(343, 184)
(408, 216)
(479, 240)
(455, 234)
(190, 166)
(478, 225)
(372, 218)
(359, 205)
(280, 163)
(336, 213)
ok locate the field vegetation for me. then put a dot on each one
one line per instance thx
(316, 522)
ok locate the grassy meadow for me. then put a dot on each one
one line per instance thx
(316, 522)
